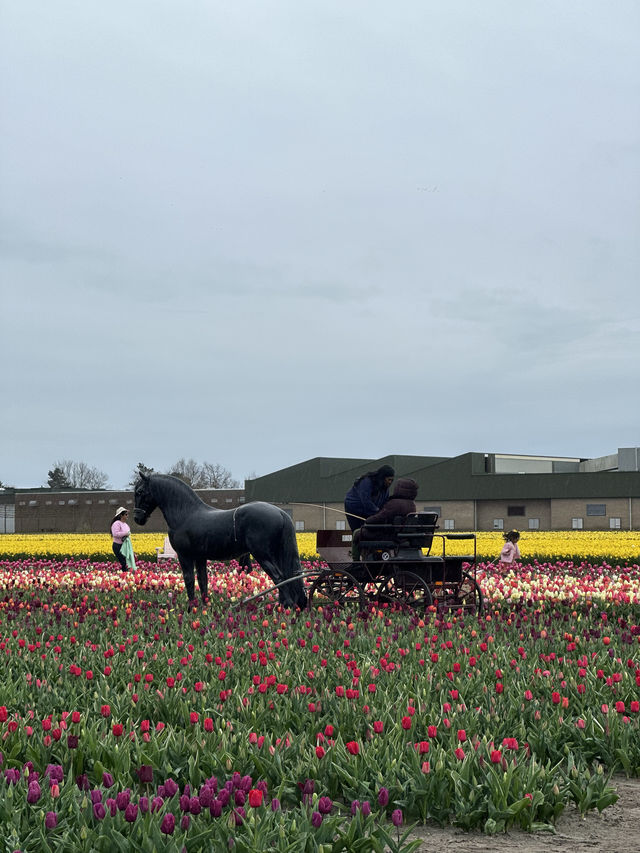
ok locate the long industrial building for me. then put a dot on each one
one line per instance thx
(473, 491)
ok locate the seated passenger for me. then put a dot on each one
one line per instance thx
(401, 503)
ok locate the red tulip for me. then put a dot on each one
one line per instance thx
(255, 798)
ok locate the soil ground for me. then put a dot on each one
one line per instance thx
(616, 830)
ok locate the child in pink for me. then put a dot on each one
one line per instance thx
(510, 552)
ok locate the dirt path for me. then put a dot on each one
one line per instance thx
(616, 830)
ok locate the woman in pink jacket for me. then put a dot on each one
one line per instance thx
(119, 531)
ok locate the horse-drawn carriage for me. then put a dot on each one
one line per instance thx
(398, 566)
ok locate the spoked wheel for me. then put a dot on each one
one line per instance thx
(465, 596)
(336, 587)
(406, 589)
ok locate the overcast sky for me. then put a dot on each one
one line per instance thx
(252, 233)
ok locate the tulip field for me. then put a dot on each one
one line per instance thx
(128, 723)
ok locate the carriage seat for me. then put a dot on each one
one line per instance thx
(413, 531)
(166, 552)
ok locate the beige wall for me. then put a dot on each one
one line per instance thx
(489, 511)
(91, 512)
(563, 511)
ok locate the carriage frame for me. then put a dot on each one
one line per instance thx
(398, 567)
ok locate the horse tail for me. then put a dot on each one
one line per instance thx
(291, 567)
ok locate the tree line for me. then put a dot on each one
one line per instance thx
(67, 474)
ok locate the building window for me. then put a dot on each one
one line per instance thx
(89, 502)
(449, 524)
(228, 500)
(72, 502)
(436, 509)
(576, 523)
(241, 500)
(534, 524)
(515, 510)
(341, 525)
(48, 503)
(299, 526)
(614, 523)
(214, 500)
(113, 501)
(33, 503)
(596, 509)
(60, 503)
(498, 524)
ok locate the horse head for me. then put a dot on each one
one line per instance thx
(144, 500)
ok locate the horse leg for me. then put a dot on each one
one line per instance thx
(203, 579)
(186, 564)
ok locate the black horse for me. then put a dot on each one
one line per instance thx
(198, 532)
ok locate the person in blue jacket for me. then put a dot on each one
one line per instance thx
(367, 495)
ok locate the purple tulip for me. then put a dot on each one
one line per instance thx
(246, 784)
(131, 812)
(34, 793)
(275, 805)
(224, 796)
(51, 820)
(145, 773)
(12, 775)
(107, 780)
(156, 804)
(184, 823)
(215, 808)
(112, 806)
(206, 796)
(366, 808)
(99, 811)
(82, 781)
(195, 806)
(355, 805)
(240, 797)
(72, 741)
(96, 796)
(170, 787)
(168, 824)
(325, 804)
(316, 819)
(383, 797)
(396, 817)
(123, 798)
(144, 804)
(239, 815)
(54, 772)
(185, 799)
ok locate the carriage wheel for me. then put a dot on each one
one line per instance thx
(336, 587)
(465, 596)
(406, 589)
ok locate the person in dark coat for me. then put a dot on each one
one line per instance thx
(367, 495)
(402, 502)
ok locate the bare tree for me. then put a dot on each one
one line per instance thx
(217, 477)
(77, 475)
(187, 470)
(205, 476)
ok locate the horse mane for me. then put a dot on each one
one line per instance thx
(179, 492)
